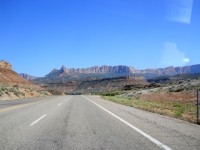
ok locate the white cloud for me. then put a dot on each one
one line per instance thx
(186, 60)
(179, 11)
(172, 56)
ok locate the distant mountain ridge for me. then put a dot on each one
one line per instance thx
(27, 76)
(92, 70)
(172, 70)
(106, 78)
(123, 70)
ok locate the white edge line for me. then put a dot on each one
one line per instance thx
(65, 101)
(155, 141)
(36, 121)
(59, 104)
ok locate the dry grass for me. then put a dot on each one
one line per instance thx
(174, 109)
(14, 92)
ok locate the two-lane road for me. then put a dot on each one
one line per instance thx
(88, 122)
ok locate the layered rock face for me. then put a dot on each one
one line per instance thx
(171, 70)
(105, 69)
(92, 70)
(114, 70)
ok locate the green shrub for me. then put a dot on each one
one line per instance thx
(112, 93)
(4, 89)
(179, 90)
(178, 114)
(43, 93)
(1, 92)
(16, 91)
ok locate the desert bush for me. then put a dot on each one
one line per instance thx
(179, 90)
(67, 93)
(16, 86)
(112, 93)
(171, 89)
(1, 92)
(16, 91)
(43, 93)
(54, 92)
(4, 88)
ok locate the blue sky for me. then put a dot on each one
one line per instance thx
(39, 35)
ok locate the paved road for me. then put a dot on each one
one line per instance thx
(88, 122)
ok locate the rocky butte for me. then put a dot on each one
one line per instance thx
(9, 77)
(5, 65)
(13, 86)
(64, 72)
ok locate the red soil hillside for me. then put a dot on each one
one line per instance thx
(13, 86)
(8, 77)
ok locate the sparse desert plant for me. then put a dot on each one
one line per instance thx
(7, 92)
(178, 114)
(151, 91)
(173, 86)
(54, 92)
(16, 86)
(43, 93)
(112, 93)
(187, 88)
(180, 89)
(159, 90)
(67, 93)
(16, 91)
(171, 89)
(1, 92)
(3, 88)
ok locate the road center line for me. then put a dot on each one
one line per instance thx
(64, 101)
(16, 106)
(155, 141)
(68, 98)
(36, 121)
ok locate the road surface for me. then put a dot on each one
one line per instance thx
(88, 122)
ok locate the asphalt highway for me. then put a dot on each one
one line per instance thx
(88, 122)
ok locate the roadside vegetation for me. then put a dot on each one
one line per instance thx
(112, 93)
(8, 90)
(173, 109)
(176, 100)
(15, 92)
